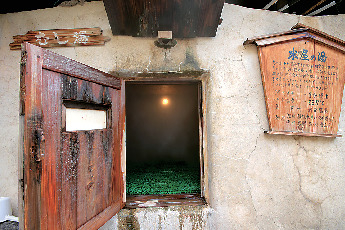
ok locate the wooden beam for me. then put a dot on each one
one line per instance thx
(314, 6)
(61, 64)
(271, 3)
(144, 18)
(333, 3)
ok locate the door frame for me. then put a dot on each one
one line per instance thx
(200, 77)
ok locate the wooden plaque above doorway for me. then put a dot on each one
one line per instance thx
(61, 38)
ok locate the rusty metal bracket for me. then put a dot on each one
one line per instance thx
(165, 43)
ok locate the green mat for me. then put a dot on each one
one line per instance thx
(162, 178)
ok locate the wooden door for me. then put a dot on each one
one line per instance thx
(72, 179)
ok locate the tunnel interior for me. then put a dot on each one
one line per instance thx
(162, 138)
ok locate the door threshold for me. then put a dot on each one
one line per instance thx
(145, 201)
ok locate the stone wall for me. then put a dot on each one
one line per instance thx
(256, 181)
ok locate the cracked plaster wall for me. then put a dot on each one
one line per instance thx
(256, 181)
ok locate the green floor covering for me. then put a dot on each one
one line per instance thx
(162, 178)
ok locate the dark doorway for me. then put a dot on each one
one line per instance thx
(162, 138)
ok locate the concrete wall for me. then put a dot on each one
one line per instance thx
(256, 181)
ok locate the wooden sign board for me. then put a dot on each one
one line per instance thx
(303, 74)
(61, 38)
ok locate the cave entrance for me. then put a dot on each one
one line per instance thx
(163, 137)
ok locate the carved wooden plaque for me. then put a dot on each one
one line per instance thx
(61, 38)
(303, 74)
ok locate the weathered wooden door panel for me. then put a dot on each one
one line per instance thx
(50, 154)
(72, 180)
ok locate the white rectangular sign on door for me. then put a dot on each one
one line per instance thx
(85, 119)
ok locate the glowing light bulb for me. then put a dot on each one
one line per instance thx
(165, 101)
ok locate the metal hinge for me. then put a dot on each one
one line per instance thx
(37, 149)
(23, 61)
(21, 182)
(24, 58)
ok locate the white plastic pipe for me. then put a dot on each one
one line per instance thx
(270, 4)
(322, 9)
(5, 208)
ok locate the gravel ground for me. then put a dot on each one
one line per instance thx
(9, 225)
(163, 178)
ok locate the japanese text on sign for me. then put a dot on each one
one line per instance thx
(304, 89)
(303, 55)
